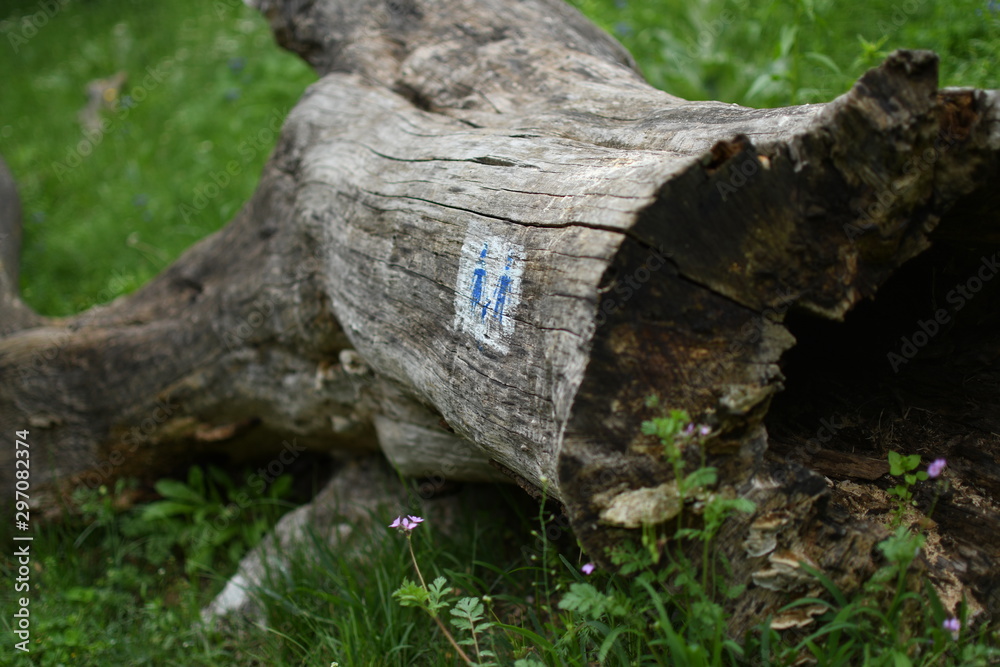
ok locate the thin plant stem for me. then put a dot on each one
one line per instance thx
(452, 641)
(413, 557)
(475, 641)
(440, 624)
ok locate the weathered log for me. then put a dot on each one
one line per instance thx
(482, 230)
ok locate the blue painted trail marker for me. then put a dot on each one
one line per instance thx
(488, 288)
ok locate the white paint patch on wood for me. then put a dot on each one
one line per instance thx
(488, 288)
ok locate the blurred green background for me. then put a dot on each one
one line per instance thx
(210, 79)
(106, 211)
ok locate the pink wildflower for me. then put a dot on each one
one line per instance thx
(407, 523)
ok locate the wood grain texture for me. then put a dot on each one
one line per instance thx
(482, 228)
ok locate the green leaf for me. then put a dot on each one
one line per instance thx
(467, 612)
(937, 607)
(281, 487)
(221, 478)
(436, 595)
(680, 418)
(901, 491)
(162, 509)
(619, 605)
(902, 547)
(76, 594)
(584, 599)
(900, 660)
(609, 642)
(171, 488)
(685, 533)
(789, 34)
(438, 587)
(823, 60)
(744, 505)
(411, 594)
(701, 477)
(895, 464)
(196, 479)
(760, 84)
(733, 592)
(899, 464)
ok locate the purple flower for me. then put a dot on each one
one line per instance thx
(704, 430)
(936, 467)
(689, 429)
(952, 625)
(588, 568)
(406, 523)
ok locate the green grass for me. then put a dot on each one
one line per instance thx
(106, 226)
(107, 591)
(115, 582)
(782, 52)
(144, 191)
(111, 585)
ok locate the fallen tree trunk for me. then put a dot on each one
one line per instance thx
(483, 242)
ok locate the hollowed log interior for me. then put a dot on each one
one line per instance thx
(893, 377)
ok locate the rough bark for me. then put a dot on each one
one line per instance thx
(483, 240)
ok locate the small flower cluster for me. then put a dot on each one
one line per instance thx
(701, 430)
(406, 523)
(936, 468)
